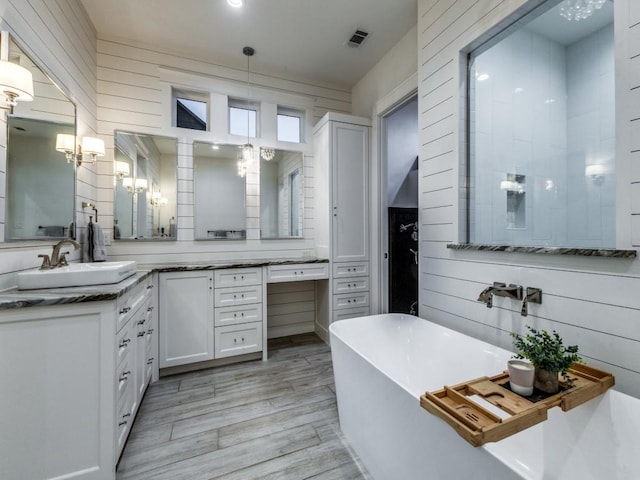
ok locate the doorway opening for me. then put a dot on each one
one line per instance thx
(399, 136)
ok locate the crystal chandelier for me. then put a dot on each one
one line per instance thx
(245, 158)
(579, 9)
(267, 153)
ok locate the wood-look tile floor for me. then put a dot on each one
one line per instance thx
(254, 420)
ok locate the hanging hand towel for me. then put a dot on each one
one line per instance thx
(87, 245)
(99, 248)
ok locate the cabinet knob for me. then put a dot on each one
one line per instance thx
(124, 310)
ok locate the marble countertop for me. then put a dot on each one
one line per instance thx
(14, 298)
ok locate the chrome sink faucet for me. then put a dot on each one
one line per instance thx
(57, 258)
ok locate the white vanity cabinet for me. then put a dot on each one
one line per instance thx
(238, 311)
(68, 376)
(186, 317)
(341, 152)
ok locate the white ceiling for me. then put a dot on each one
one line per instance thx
(295, 38)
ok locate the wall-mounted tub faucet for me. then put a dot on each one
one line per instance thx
(502, 290)
(533, 295)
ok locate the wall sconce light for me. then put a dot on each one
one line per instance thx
(596, 172)
(157, 200)
(16, 84)
(94, 147)
(127, 182)
(141, 185)
(122, 170)
(137, 185)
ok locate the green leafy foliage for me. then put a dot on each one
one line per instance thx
(546, 351)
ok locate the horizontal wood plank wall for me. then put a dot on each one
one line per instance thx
(592, 302)
(59, 37)
(134, 94)
(290, 308)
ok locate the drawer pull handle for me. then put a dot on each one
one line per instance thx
(124, 342)
(150, 331)
(122, 424)
(242, 314)
(141, 334)
(125, 376)
(150, 309)
(150, 361)
(149, 287)
(235, 315)
(141, 322)
(234, 277)
(126, 415)
(124, 310)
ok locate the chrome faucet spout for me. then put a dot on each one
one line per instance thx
(486, 297)
(58, 259)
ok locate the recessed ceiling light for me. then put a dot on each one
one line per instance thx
(235, 3)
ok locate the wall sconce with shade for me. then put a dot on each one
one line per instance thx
(16, 82)
(94, 147)
(137, 185)
(122, 170)
(596, 172)
(141, 185)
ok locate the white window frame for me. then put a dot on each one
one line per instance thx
(177, 93)
(291, 112)
(243, 104)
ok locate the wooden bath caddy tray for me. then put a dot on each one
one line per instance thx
(479, 425)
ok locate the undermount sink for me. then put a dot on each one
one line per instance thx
(77, 275)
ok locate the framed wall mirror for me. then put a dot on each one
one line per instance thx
(219, 192)
(542, 133)
(281, 193)
(40, 184)
(145, 192)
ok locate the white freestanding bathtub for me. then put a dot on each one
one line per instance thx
(383, 363)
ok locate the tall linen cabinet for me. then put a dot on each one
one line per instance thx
(341, 155)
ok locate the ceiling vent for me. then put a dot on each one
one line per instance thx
(357, 39)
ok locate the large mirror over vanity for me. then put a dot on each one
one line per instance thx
(40, 183)
(219, 192)
(281, 193)
(145, 192)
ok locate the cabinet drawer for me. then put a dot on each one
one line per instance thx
(128, 304)
(238, 339)
(350, 269)
(350, 300)
(298, 272)
(124, 377)
(231, 277)
(124, 343)
(242, 295)
(235, 315)
(350, 285)
(123, 424)
(350, 313)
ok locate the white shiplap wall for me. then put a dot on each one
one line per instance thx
(592, 302)
(59, 37)
(134, 94)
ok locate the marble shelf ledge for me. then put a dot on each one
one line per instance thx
(585, 252)
(183, 267)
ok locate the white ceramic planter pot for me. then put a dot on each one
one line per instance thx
(521, 376)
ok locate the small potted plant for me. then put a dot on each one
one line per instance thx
(548, 355)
